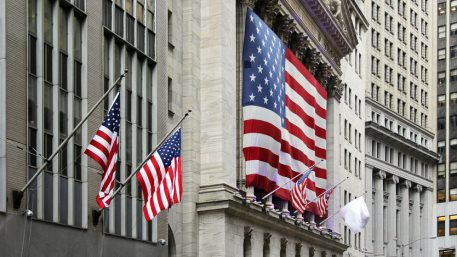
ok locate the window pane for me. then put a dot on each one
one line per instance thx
(440, 226)
(140, 12)
(32, 101)
(77, 78)
(63, 113)
(63, 30)
(47, 21)
(47, 106)
(63, 71)
(77, 29)
(32, 16)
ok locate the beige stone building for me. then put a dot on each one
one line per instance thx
(400, 130)
(58, 57)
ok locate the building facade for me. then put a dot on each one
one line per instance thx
(399, 131)
(446, 176)
(58, 57)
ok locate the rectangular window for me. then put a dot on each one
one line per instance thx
(107, 15)
(453, 75)
(453, 224)
(441, 231)
(453, 31)
(441, 8)
(453, 181)
(442, 31)
(119, 21)
(441, 54)
(453, 6)
(453, 50)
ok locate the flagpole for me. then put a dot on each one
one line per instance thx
(340, 210)
(17, 195)
(149, 156)
(317, 197)
(298, 175)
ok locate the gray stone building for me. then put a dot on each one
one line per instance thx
(57, 58)
(399, 129)
(446, 176)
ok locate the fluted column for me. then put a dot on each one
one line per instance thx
(378, 214)
(369, 198)
(392, 216)
(241, 11)
(416, 221)
(404, 212)
(426, 221)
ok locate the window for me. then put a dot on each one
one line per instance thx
(453, 98)
(441, 8)
(442, 31)
(119, 21)
(453, 50)
(107, 15)
(442, 151)
(441, 78)
(441, 226)
(453, 224)
(453, 181)
(453, 75)
(441, 54)
(453, 5)
(453, 31)
(441, 101)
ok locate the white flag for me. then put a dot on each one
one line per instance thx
(355, 214)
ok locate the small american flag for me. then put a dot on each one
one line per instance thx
(322, 205)
(103, 149)
(161, 177)
(284, 115)
(299, 200)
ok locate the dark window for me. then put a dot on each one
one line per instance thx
(140, 36)
(151, 44)
(47, 106)
(441, 8)
(47, 63)
(441, 226)
(32, 147)
(130, 29)
(32, 101)
(63, 113)
(77, 162)
(119, 21)
(139, 111)
(107, 15)
(32, 55)
(63, 71)
(63, 162)
(80, 4)
(453, 121)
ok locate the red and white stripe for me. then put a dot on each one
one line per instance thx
(275, 155)
(162, 187)
(104, 149)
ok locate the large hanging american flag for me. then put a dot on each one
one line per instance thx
(103, 148)
(284, 110)
(161, 177)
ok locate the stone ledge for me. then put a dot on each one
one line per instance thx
(224, 198)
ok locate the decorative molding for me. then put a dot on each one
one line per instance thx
(299, 43)
(394, 179)
(284, 26)
(248, 232)
(381, 174)
(284, 243)
(298, 247)
(418, 188)
(406, 184)
(248, 3)
(266, 238)
(267, 10)
(312, 251)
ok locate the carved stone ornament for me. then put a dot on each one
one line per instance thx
(312, 251)
(284, 242)
(336, 9)
(267, 10)
(298, 43)
(248, 232)
(248, 3)
(334, 87)
(298, 247)
(323, 73)
(283, 26)
(311, 60)
(266, 238)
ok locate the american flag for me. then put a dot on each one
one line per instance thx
(299, 200)
(161, 179)
(284, 110)
(322, 204)
(103, 149)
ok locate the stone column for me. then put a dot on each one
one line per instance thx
(404, 212)
(378, 213)
(392, 216)
(416, 221)
(427, 221)
(369, 198)
(242, 7)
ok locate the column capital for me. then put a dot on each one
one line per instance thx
(418, 188)
(284, 26)
(406, 184)
(248, 232)
(381, 174)
(248, 3)
(394, 179)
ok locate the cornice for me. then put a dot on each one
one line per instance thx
(392, 138)
(397, 116)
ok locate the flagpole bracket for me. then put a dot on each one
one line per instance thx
(95, 216)
(17, 199)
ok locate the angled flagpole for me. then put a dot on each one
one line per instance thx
(287, 182)
(96, 213)
(18, 194)
(333, 187)
(320, 223)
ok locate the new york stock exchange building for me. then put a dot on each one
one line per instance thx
(220, 215)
